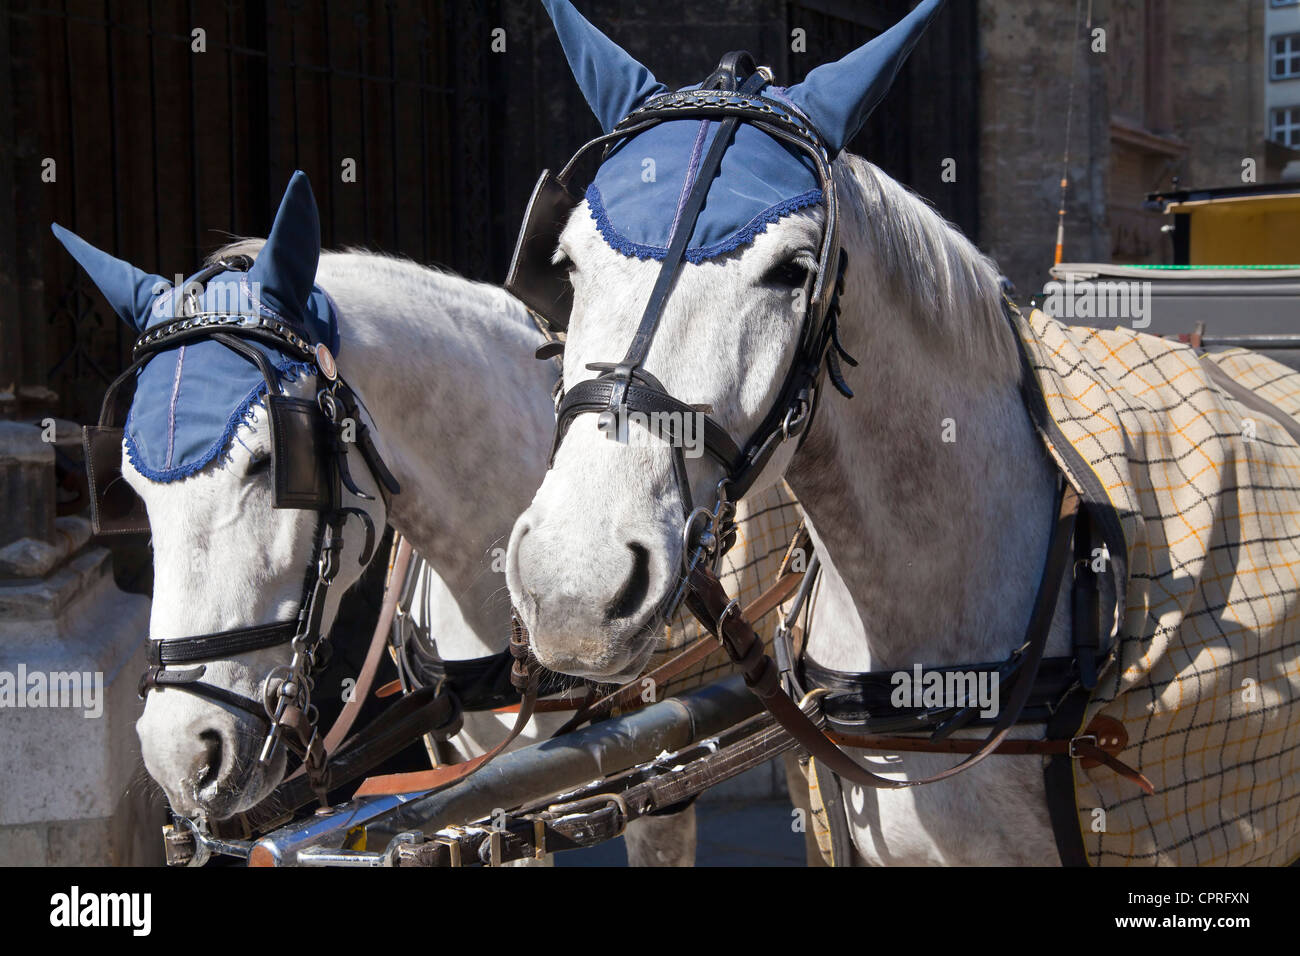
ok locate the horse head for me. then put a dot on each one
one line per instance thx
(706, 274)
(237, 442)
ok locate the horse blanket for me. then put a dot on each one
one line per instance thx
(765, 524)
(1198, 499)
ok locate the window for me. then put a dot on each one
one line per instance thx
(1284, 126)
(1284, 63)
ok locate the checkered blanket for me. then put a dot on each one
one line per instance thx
(1206, 679)
(765, 525)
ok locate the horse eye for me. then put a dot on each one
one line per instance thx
(790, 274)
(257, 466)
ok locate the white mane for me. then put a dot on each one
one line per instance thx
(928, 266)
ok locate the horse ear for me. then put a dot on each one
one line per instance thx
(286, 267)
(837, 97)
(612, 82)
(130, 291)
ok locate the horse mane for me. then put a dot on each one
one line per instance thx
(436, 284)
(933, 271)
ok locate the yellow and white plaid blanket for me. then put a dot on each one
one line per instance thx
(1206, 678)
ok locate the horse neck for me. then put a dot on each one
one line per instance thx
(445, 366)
(938, 545)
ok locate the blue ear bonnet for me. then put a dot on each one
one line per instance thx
(636, 205)
(761, 180)
(190, 400)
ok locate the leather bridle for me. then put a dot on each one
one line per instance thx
(309, 471)
(732, 96)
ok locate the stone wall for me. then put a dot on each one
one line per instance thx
(73, 790)
(1178, 92)
(1025, 57)
(1216, 56)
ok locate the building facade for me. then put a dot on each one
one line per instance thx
(1282, 97)
(1155, 93)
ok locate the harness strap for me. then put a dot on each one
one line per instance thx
(525, 678)
(709, 602)
(860, 701)
(676, 254)
(374, 654)
(155, 677)
(598, 394)
(1099, 742)
(219, 644)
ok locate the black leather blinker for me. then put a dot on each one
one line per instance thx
(301, 464)
(533, 279)
(115, 508)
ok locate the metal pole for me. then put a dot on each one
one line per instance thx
(1262, 341)
(523, 776)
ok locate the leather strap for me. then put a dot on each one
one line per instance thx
(374, 654)
(860, 701)
(155, 677)
(422, 781)
(709, 602)
(1100, 743)
(526, 678)
(596, 394)
(220, 644)
(675, 257)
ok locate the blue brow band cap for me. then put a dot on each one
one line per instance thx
(637, 191)
(190, 400)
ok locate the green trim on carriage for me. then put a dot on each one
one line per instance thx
(1140, 265)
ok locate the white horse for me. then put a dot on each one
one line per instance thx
(937, 547)
(462, 412)
(885, 497)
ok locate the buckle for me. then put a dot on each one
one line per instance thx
(1090, 738)
(796, 416)
(594, 803)
(732, 605)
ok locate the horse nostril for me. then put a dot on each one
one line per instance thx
(211, 762)
(632, 596)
